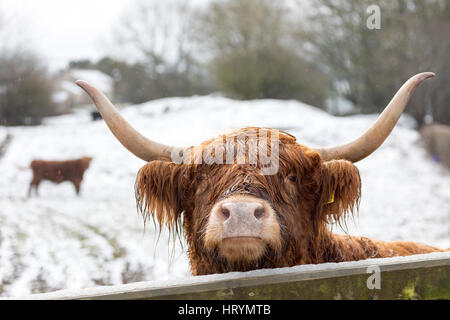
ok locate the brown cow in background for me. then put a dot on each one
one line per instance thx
(58, 171)
(436, 138)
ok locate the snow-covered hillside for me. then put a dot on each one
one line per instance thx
(59, 240)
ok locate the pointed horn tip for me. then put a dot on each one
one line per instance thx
(89, 89)
(82, 84)
(416, 80)
(425, 75)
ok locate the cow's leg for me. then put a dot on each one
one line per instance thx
(33, 184)
(36, 187)
(29, 189)
(77, 184)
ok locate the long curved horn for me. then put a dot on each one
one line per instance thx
(372, 139)
(131, 139)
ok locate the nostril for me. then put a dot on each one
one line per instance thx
(225, 213)
(259, 213)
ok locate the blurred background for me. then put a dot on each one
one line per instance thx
(182, 71)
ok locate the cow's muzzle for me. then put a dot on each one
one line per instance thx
(242, 219)
(242, 228)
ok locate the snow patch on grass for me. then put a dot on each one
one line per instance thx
(61, 241)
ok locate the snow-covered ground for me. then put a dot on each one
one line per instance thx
(61, 241)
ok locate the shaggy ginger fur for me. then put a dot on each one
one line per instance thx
(299, 193)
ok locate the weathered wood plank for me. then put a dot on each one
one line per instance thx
(415, 277)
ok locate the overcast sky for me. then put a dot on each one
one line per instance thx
(65, 29)
(62, 30)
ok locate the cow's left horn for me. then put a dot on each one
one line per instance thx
(131, 139)
(372, 139)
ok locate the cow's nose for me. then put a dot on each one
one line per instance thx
(242, 210)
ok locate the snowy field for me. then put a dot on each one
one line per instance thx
(61, 241)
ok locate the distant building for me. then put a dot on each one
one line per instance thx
(68, 95)
(339, 106)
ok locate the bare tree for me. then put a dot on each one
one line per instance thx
(253, 54)
(25, 86)
(155, 30)
(25, 89)
(157, 35)
(374, 63)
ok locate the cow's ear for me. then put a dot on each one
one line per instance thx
(160, 191)
(340, 190)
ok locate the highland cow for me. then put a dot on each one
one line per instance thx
(237, 216)
(58, 171)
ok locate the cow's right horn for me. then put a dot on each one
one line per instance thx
(372, 139)
(131, 139)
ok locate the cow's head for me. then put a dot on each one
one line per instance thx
(84, 163)
(252, 198)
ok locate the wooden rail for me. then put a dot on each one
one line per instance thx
(415, 277)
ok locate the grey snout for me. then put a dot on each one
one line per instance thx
(242, 219)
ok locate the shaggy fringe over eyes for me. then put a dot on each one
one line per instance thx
(341, 178)
(159, 193)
